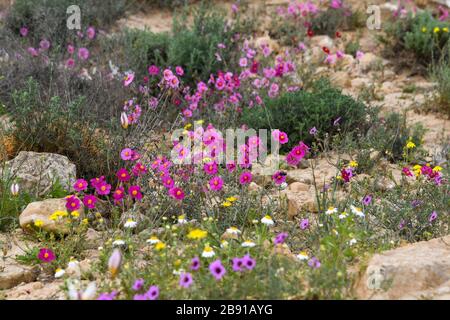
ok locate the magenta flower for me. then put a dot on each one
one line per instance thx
(105, 296)
(280, 136)
(298, 152)
(128, 79)
(139, 169)
(279, 177)
(195, 264)
(70, 49)
(248, 262)
(90, 32)
(103, 188)
(138, 284)
(245, 178)
(179, 70)
(217, 269)
(83, 53)
(210, 168)
(216, 183)
(119, 194)
(231, 167)
(346, 174)
(33, 51)
(23, 31)
(367, 200)
(72, 203)
(80, 185)
(135, 192)
(152, 293)
(176, 193)
(46, 255)
(97, 181)
(44, 44)
(126, 154)
(153, 70)
(70, 63)
(89, 201)
(123, 175)
(186, 280)
(168, 182)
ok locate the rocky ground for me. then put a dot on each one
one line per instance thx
(416, 271)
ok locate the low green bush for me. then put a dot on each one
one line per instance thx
(323, 107)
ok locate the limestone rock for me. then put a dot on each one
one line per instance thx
(42, 210)
(37, 172)
(414, 271)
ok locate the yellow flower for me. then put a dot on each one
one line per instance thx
(54, 216)
(75, 214)
(197, 234)
(437, 168)
(187, 126)
(445, 29)
(85, 221)
(410, 145)
(38, 223)
(231, 199)
(160, 246)
(424, 29)
(199, 122)
(226, 204)
(436, 29)
(353, 164)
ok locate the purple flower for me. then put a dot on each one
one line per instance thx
(107, 296)
(237, 264)
(401, 225)
(336, 122)
(280, 238)
(313, 131)
(152, 293)
(367, 200)
(304, 224)
(314, 263)
(138, 284)
(186, 280)
(195, 264)
(83, 53)
(24, 31)
(416, 203)
(217, 269)
(44, 44)
(433, 216)
(248, 262)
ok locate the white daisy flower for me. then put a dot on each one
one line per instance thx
(208, 252)
(153, 240)
(302, 256)
(248, 244)
(331, 210)
(284, 185)
(357, 211)
(233, 230)
(267, 220)
(72, 264)
(177, 272)
(59, 273)
(130, 224)
(118, 242)
(343, 215)
(352, 242)
(182, 219)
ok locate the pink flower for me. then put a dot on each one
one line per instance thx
(280, 136)
(279, 177)
(179, 70)
(89, 201)
(80, 185)
(176, 193)
(44, 44)
(96, 181)
(72, 203)
(135, 192)
(46, 255)
(168, 182)
(123, 175)
(33, 51)
(126, 154)
(217, 269)
(23, 31)
(210, 168)
(243, 62)
(153, 70)
(231, 166)
(407, 172)
(118, 194)
(246, 177)
(70, 49)
(83, 53)
(70, 63)
(103, 188)
(90, 32)
(168, 74)
(128, 79)
(298, 152)
(346, 174)
(216, 183)
(139, 169)
(359, 55)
